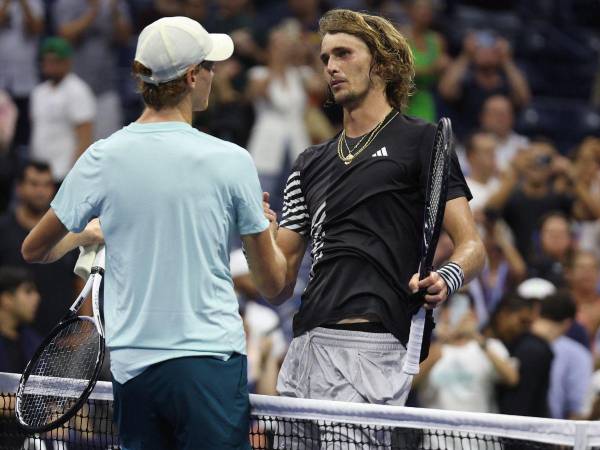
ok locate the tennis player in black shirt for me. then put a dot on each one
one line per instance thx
(359, 198)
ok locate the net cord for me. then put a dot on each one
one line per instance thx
(579, 434)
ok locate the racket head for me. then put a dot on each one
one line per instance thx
(435, 194)
(60, 376)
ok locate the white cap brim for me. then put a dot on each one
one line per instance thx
(222, 47)
(536, 288)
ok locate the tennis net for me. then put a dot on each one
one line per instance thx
(283, 423)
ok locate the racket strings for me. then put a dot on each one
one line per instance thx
(70, 358)
(436, 183)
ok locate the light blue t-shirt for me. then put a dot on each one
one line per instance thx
(168, 198)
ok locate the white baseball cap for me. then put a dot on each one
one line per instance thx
(536, 288)
(169, 46)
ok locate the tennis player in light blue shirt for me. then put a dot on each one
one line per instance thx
(168, 198)
(171, 293)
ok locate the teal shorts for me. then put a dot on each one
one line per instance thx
(185, 403)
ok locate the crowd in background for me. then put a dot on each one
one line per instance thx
(521, 83)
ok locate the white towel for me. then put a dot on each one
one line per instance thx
(84, 263)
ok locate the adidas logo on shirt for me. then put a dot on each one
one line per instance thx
(381, 152)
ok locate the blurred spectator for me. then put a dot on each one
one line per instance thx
(572, 366)
(480, 148)
(534, 355)
(555, 249)
(463, 367)
(511, 319)
(56, 282)
(280, 94)
(306, 12)
(21, 23)
(571, 369)
(19, 301)
(527, 192)
(583, 275)
(234, 17)
(429, 52)
(229, 115)
(194, 9)
(96, 28)
(504, 269)
(8, 120)
(266, 344)
(587, 167)
(497, 117)
(485, 67)
(62, 111)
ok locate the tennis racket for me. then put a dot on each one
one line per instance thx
(65, 367)
(435, 205)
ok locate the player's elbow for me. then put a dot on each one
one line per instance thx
(280, 297)
(275, 290)
(31, 253)
(479, 253)
(272, 292)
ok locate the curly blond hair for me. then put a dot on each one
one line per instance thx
(392, 56)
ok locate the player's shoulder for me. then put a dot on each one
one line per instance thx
(226, 152)
(414, 125)
(314, 153)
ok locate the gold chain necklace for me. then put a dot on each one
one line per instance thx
(371, 136)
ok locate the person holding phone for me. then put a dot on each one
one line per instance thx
(485, 67)
(463, 367)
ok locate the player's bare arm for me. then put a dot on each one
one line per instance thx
(468, 254)
(293, 247)
(266, 261)
(49, 240)
(40, 240)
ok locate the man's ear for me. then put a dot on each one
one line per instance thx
(191, 77)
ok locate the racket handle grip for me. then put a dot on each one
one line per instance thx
(99, 260)
(415, 340)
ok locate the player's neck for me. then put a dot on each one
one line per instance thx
(362, 118)
(179, 113)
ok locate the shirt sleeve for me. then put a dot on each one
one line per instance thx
(247, 196)
(79, 198)
(457, 186)
(295, 214)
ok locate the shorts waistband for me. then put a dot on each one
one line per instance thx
(354, 339)
(369, 327)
